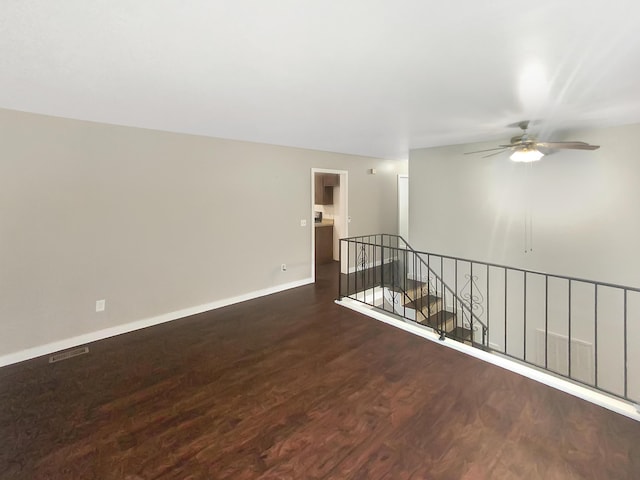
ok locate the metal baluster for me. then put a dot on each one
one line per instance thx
(372, 267)
(569, 329)
(455, 279)
(595, 332)
(404, 281)
(625, 344)
(382, 272)
(429, 287)
(365, 271)
(443, 303)
(505, 310)
(471, 301)
(348, 268)
(417, 274)
(486, 329)
(340, 270)
(393, 284)
(355, 279)
(373, 253)
(524, 350)
(455, 288)
(373, 263)
(546, 321)
(381, 247)
(378, 266)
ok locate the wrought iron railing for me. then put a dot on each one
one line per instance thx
(384, 271)
(579, 329)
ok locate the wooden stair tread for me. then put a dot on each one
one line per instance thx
(422, 301)
(407, 285)
(461, 333)
(442, 317)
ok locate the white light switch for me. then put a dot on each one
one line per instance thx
(100, 305)
(303, 222)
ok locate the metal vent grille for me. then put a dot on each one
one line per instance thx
(56, 357)
(582, 356)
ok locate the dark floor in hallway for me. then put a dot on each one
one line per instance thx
(292, 386)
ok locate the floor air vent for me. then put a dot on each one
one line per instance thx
(56, 357)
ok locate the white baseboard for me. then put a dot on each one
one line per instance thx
(611, 403)
(49, 348)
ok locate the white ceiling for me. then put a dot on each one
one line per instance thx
(370, 77)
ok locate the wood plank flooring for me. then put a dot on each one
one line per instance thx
(292, 386)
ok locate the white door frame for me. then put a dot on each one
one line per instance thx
(344, 199)
(402, 176)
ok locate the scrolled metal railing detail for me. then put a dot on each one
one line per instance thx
(431, 284)
(361, 259)
(467, 323)
(471, 294)
(395, 297)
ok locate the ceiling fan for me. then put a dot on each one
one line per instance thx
(526, 148)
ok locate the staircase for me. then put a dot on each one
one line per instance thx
(426, 310)
(397, 280)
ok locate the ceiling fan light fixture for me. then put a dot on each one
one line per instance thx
(526, 155)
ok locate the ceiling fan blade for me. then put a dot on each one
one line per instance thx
(494, 154)
(501, 147)
(524, 124)
(568, 145)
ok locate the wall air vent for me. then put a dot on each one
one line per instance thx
(56, 357)
(582, 356)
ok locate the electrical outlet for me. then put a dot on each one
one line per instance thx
(283, 267)
(303, 222)
(100, 305)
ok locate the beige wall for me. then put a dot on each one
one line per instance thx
(153, 222)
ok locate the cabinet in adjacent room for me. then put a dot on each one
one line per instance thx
(324, 183)
(324, 244)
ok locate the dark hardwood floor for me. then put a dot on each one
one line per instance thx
(292, 386)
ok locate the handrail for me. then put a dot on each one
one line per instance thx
(497, 265)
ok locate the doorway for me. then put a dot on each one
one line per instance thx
(329, 200)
